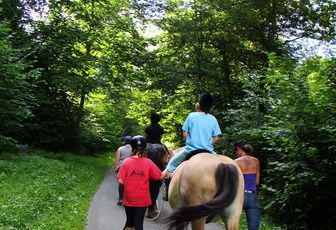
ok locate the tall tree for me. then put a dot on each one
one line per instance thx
(17, 76)
(215, 45)
(84, 47)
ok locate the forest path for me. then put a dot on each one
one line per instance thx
(105, 214)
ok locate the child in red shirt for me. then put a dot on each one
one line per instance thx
(134, 174)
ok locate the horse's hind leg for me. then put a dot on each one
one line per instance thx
(232, 223)
(181, 227)
(198, 224)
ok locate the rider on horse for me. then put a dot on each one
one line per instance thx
(201, 130)
(154, 131)
(155, 152)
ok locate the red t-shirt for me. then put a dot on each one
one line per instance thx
(135, 173)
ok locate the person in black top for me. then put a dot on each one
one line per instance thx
(154, 131)
(154, 134)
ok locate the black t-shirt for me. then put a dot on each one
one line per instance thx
(154, 133)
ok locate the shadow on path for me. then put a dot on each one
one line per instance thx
(105, 214)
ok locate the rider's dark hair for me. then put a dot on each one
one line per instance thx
(205, 102)
(155, 118)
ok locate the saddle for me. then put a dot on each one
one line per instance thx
(197, 151)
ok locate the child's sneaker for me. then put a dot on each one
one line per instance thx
(120, 203)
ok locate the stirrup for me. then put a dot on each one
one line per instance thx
(167, 182)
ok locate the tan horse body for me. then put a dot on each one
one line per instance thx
(207, 185)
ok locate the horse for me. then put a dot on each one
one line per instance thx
(205, 188)
(159, 155)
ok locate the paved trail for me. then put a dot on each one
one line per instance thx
(105, 214)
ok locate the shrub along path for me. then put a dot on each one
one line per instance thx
(105, 214)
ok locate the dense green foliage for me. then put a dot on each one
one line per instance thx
(79, 75)
(43, 191)
(55, 67)
(16, 83)
(301, 151)
(295, 146)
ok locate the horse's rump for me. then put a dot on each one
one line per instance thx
(206, 185)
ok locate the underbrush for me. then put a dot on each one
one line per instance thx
(44, 190)
(265, 224)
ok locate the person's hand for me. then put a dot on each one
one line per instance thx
(165, 174)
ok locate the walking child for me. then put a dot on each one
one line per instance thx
(134, 174)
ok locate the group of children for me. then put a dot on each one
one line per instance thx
(201, 131)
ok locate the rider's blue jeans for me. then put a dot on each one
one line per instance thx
(176, 160)
(251, 207)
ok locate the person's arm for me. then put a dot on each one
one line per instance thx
(214, 140)
(163, 175)
(120, 181)
(258, 172)
(117, 158)
(121, 174)
(185, 126)
(146, 132)
(216, 132)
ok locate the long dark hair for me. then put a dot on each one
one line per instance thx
(243, 145)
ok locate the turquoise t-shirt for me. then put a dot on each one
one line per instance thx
(201, 128)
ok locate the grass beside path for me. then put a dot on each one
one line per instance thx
(48, 190)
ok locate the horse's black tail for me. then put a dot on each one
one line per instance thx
(227, 178)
